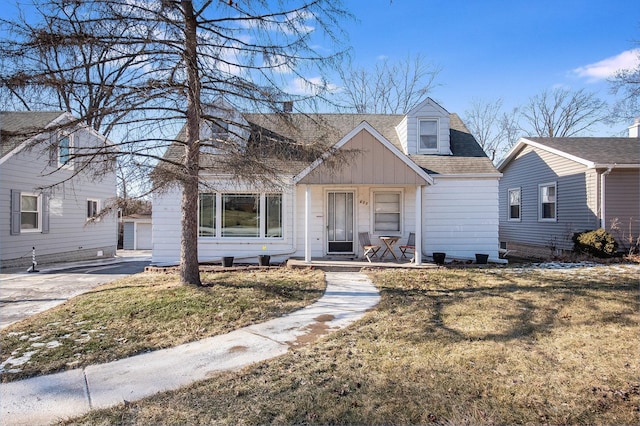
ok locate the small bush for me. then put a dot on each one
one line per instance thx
(598, 243)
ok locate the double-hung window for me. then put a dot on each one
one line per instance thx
(387, 211)
(514, 203)
(427, 135)
(547, 202)
(30, 213)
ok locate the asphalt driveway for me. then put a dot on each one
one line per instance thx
(25, 294)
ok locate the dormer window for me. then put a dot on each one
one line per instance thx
(428, 134)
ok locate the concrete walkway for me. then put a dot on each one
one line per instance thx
(46, 399)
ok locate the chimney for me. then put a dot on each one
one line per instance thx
(287, 106)
(633, 129)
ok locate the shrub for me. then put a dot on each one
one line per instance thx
(598, 243)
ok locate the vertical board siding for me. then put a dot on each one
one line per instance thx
(369, 162)
(460, 218)
(70, 235)
(575, 199)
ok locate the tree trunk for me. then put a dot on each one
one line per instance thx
(189, 267)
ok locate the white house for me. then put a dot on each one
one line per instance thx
(51, 197)
(421, 173)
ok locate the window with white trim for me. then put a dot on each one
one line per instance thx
(387, 211)
(92, 209)
(240, 215)
(427, 134)
(30, 212)
(547, 202)
(65, 151)
(514, 203)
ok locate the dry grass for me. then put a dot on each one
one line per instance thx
(148, 312)
(475, 346)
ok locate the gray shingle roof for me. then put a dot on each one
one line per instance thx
(17, 127)
(468, 157)
(597, 150)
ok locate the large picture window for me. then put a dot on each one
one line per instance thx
(548, 200)
(240, 215)
(514, 204)
(386, 211)
(428, 134)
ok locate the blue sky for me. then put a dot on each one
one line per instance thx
(500, 49)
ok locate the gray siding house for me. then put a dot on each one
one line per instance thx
(554, 187)
(54, 184)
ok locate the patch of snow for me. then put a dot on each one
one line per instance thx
(53, 344)
(16, 362)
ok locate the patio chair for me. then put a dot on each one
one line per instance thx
(410, 246)
(369, 249)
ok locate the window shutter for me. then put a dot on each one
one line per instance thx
(15, 212)
(45, 213)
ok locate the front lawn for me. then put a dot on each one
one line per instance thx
(147, 312)
(467, 346)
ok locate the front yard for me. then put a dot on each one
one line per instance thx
(446, 346)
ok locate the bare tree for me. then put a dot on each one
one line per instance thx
(494, 129)
(169, 63)
(390, 88)
(563, 113)
(626, 83)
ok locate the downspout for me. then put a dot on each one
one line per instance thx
(603, 222)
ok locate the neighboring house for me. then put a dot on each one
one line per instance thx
(422, 172)
(136, 232)
(50, 197)
(554, 187)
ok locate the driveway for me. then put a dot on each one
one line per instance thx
(25, 294)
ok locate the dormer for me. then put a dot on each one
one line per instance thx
(425, 130)
(222, 123)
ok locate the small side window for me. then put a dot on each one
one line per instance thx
(92, 209)
(65, 151)
(514, 204)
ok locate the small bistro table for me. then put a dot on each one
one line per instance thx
(389, 242)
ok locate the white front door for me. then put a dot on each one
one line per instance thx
(340, 222)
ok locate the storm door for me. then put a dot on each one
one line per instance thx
(340, 222)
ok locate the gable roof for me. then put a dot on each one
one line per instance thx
(591, 151)
(392, 150)
(467, 158)
(20, 126)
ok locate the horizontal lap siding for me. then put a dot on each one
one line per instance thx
(622, 189)
(70, 236)
(576, 199)
(460, 217)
